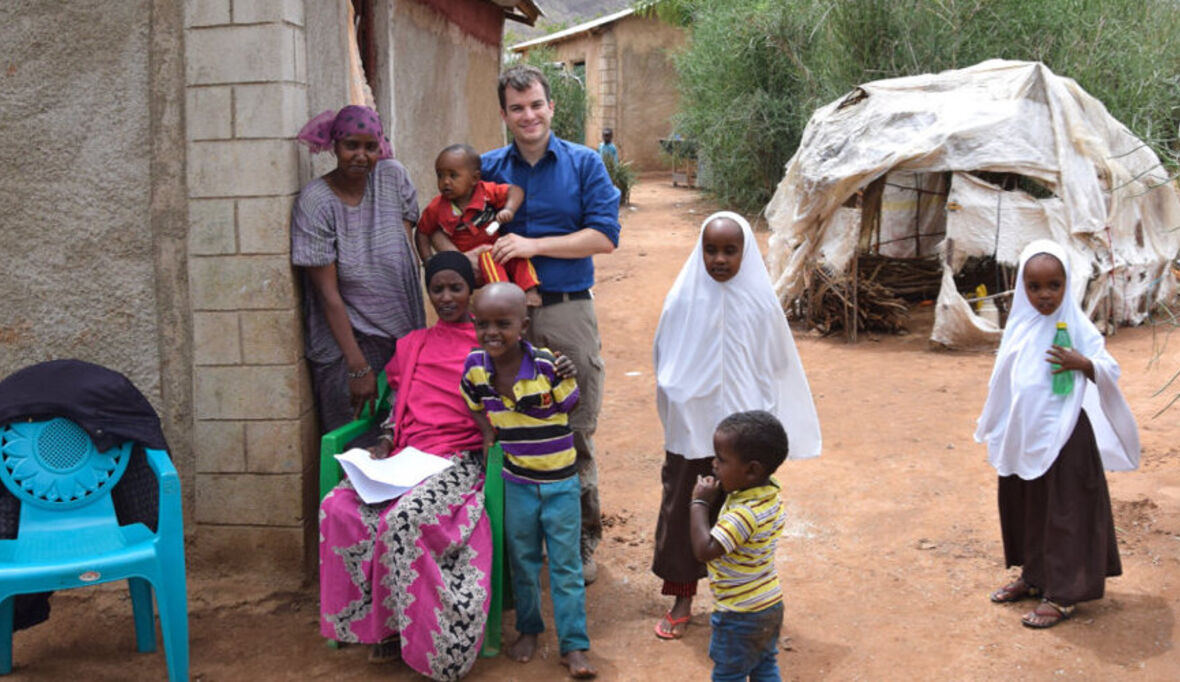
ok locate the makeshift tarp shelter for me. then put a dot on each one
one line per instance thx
(908, 167)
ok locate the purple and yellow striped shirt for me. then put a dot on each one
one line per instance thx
(532, 425)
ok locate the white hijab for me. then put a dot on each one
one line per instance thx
(1023, 423)
(724, 347)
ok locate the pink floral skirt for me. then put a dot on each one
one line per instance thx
(419, 567)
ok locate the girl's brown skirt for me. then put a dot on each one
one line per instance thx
(673, 560)
(1059, 527)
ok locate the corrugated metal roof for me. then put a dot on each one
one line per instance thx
(571, 32)
(524, 11)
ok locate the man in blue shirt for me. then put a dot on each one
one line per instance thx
(570, 213)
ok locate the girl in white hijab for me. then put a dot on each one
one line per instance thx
(1050, 450)
(722, 346)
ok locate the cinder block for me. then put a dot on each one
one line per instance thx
(249, 499)
(269, 110)
(211, 227)
(207, 113)
(274, 447)
(299, 51)
(264, 224)
(248, 392)
(220, 446)
(257, 53)
(271, 337)
(206, 12)
(243, 168)
(241, 283)
(262, 11)
(216, 339)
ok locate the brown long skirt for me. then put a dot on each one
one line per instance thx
(1059, 527)
(673, 559)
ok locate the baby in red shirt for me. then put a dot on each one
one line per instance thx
(467, 213)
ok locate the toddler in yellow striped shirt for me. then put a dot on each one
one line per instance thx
(739, 549)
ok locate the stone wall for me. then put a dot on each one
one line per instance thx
(255, 437)
(91, 171)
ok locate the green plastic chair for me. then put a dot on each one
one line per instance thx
(334, 443)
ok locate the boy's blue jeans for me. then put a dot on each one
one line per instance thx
(745, 645)
(551, 512)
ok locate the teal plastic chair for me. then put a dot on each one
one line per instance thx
(69, 535)
(334, 442)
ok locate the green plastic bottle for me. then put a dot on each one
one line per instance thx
(1063, 382)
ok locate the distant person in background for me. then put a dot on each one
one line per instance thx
(608, 148)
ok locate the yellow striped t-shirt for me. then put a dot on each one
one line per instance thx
(744, 579)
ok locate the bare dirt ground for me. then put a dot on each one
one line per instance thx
(892, 547)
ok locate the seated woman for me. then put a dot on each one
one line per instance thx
(418, 568)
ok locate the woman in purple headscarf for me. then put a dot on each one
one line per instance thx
(350, 236)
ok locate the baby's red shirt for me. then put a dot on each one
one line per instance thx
(461, 228)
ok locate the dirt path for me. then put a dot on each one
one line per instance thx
(892, 547)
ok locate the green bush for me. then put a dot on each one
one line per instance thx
(622, 175)
(756, 70)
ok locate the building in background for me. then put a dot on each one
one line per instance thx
(626, 63)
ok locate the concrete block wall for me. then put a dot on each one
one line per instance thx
(255, 439)
(607, 95)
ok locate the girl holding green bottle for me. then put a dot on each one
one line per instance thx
(1050, 439)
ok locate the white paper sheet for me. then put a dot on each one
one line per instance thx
(378, 480)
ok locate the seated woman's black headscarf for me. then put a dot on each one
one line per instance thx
(451, 260)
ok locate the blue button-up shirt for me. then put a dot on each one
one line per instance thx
(566, 191)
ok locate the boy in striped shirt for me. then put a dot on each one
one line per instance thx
(518, 396)
(739, 548)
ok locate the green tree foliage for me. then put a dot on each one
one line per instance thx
(572, 103)
(756, 70)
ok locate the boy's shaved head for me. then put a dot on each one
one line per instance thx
(504, 294)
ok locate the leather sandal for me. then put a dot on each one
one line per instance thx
(1015, 591)
(1041, 619)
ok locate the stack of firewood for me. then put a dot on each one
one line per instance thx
(914, 279)
(882, 287)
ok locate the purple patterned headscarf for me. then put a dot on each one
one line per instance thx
(322, 131)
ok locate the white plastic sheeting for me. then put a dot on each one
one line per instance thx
(1114, 209)
(912, 217)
